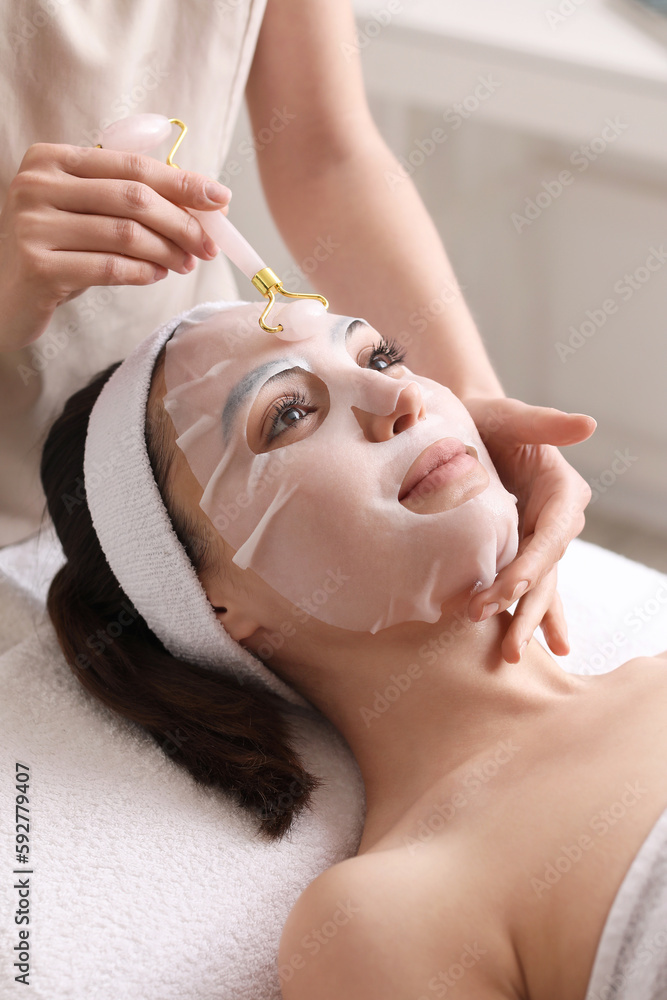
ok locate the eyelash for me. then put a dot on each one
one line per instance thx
(389, 348)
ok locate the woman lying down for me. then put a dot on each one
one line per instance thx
(314, 503)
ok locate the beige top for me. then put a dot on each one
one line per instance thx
(68, 68)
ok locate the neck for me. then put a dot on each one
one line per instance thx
(417, 702)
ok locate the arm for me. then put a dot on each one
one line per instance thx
(354, 935)
(311, 965)
(324, 176)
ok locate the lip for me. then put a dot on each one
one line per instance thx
(438, 454)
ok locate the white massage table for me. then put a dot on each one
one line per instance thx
(145, 886)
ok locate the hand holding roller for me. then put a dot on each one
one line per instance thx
(144, 132)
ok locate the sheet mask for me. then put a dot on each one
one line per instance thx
(318, 517)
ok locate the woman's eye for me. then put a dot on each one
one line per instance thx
(379, 361)
(287, 413)
(384, 355)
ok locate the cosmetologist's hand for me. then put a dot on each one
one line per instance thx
(521, 440)
(76, 217)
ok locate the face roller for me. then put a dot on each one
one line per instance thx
(143, 133)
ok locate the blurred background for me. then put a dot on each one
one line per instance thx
(535, 132)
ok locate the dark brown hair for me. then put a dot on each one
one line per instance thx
(232, 736)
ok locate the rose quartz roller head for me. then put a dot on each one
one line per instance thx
(144, 132)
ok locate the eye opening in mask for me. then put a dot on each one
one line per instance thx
(365, 344)
(302, 408)
(293, 390)
(387, 349)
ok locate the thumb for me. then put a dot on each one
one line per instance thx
(516, 422)
(546, 425)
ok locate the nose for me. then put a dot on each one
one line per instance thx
(408, 410)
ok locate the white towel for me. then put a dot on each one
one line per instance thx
(145, 886)
(631, 960)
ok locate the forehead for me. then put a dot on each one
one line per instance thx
(232, 347)
(214, 367)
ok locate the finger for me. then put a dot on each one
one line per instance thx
(525, 573)
(182, 187)
(559, 428)
(133, 200)
(560, 520)
(99, 233)
(554, 627)
(513, 421)
(75, 270)
(529, 612)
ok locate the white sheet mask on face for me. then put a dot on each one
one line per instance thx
(308, 497)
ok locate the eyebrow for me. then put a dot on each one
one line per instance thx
(246, 386)
(249, 381)
(335, 335)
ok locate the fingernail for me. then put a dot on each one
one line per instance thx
(488, 610)
(519, 590)
(522, 647)
(160, 272)
(211, 248)
(217, 193)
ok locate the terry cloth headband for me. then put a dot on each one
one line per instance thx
(134, 528)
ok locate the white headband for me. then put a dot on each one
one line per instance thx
(135, 530)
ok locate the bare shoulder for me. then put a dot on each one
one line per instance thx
(325, 924)
(642, 668)
(642, 681)
(356, 933)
